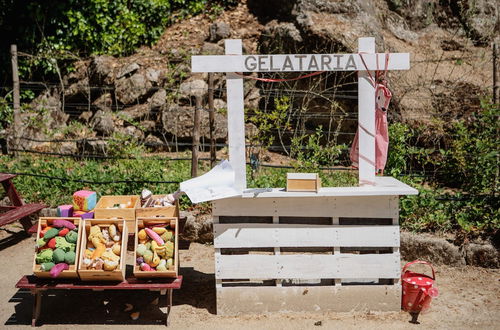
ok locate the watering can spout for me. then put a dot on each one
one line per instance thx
(433, 292)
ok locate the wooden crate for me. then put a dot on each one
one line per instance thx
(102, 275)
(140, 224)
(164, 211)
(102, 211)
(72, 271)
(307, 254)
(303, 182)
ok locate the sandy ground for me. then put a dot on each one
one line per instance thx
(469, 298)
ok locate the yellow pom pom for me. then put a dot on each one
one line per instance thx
(142, 234)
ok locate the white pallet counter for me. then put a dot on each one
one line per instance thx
(334, 250)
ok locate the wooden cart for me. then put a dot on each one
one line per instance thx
(38, 286)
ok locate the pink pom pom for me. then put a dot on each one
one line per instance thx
(58, 223)
(154, 236)
(146, 268)
(57, 269)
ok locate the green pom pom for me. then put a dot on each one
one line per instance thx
(59, 255)
(72, 237)
(70, 257)
(61, 243)
(141, 248)
(52, 232)
(40, 242)
(46, 266)
(44, 256)
(148, 256)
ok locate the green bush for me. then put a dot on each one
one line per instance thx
(460, 175)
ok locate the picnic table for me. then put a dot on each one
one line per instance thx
(18, 210)
(38, 286)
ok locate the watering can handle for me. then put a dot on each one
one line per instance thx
(420, 262)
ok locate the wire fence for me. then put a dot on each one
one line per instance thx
(282, 114)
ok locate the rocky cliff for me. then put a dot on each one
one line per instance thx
(150, 95)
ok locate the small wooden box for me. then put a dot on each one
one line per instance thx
(164, 211)
(303, 182)
(103, 275)
(103, 211)
(140, 224)
(72, 271)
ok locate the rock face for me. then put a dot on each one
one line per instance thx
(219, 31)
(439, 251)
(102, 123)
(198, 228)
(178, 121)
(154, 90)
(43, 116)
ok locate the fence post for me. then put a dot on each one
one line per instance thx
(16, 96)
(211, 118)
(196, 137)
(495, 83)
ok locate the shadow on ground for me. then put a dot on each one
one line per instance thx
(9, 237)
(107, 307)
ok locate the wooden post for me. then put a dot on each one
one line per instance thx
(495, 101)
(495, 85)
(16, 94)
(211, 118)
(366, 111)
(236, 118)
(196, 137)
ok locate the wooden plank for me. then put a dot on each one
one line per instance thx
(103, 209)
(307, 266)
(19, 213)
(12, 193)
(236, 118)
(242, 207)
(6, 176)
(362, 206)
(368, 236)
(285, 235)
(164, 211)
(366, 117)
(130, 283)
(257, 300)
(384, 186)
(277, 250)
(298, 62)
(196, 137)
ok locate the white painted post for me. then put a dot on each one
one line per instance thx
(236, 118)
(366, 121)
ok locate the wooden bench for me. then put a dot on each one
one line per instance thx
(38, 285)
(18, 210)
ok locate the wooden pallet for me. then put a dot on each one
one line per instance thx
(318, 253)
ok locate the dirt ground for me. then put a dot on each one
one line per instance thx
(469, 298)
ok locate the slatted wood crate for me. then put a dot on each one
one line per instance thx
(104, 210)
(102, 275)
(140, 224)
(317, 253)
(72, 271)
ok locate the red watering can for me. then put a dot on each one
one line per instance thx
(418, 289)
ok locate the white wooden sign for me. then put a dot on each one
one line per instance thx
(365, 60)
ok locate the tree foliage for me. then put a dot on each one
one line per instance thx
(85, 27)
